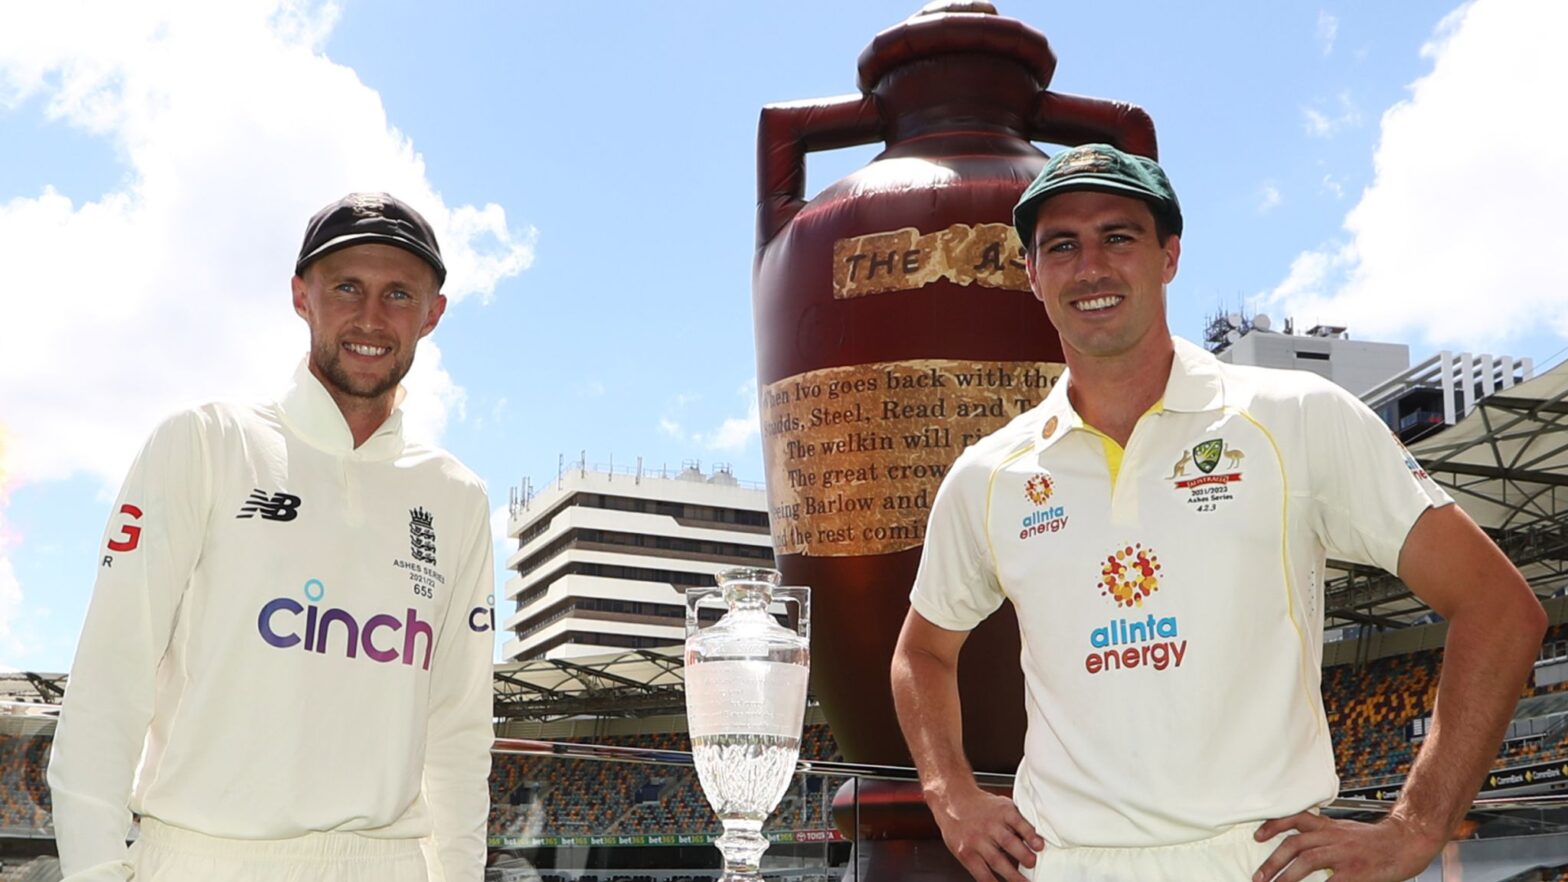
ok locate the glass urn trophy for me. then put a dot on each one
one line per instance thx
(745, 704)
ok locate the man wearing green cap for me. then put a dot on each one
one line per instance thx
(1171, 618)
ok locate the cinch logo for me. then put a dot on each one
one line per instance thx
(1128, 576)
(319, 630)
(280, 507)
(482, 618)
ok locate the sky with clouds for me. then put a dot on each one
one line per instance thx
(589, 170)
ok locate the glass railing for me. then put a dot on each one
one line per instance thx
(576, 812)
(589, 812)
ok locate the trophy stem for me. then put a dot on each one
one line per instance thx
(742, 846)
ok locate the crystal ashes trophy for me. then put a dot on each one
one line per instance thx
(745, 704)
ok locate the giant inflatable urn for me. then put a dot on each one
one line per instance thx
(895, 327)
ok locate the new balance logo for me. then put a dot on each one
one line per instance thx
(278, 507)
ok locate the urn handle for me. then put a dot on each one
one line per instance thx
(1071, 120)
(786, 133)
(713, 596)
(799, 595)
(694, 599)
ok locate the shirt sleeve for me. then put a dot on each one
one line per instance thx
(1367, 490)
(956, 586)
(149, 551)
(460, 731)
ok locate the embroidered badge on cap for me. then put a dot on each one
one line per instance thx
(1084, 160)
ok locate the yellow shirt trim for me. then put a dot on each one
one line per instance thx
(1310, 695)
(1114, 451)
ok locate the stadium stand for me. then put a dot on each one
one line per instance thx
(563, 797)
(24, 792)
(30, 869)
(1371, 707)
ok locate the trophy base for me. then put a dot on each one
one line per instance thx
(742, 845)
(896, 838)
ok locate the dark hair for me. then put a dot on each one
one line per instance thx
(1163, 228)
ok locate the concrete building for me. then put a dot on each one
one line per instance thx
(1357, 365)
(1414, 401)
(603, 556)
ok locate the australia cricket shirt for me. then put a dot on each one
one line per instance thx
(1170, 595)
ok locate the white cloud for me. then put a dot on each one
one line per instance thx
(731, 436)
(1328, 29)
(1332, 186)
(1269, 198)
(590, 389)
(233, 127)
(498, 521)
(735, 433)
(1455, 239)
(1326, 124)
(1316, 122)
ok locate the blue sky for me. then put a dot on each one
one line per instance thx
(591, 169)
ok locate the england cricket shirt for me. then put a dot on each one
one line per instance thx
(288, 634)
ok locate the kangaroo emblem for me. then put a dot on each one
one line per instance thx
(1181, 466)
(1235, 457)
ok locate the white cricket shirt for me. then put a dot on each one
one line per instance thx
(1171, 604)
(287, 635)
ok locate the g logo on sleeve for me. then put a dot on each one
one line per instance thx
(130, 534)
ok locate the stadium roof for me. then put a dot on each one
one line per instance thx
(29, 692)
(1506, 464)
(637, 683)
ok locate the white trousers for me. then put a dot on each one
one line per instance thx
(164, 853)
(1232, 856)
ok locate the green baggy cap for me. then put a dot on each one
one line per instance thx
(1103, 168)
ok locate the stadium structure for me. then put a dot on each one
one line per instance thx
(604, 554)
(592, 779)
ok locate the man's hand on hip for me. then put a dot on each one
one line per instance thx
(986, 833)
(1392, 850)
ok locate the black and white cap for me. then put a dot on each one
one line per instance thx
(365, 218)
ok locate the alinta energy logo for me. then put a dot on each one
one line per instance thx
(340, 632)
(1046, 518)
(1130, 575)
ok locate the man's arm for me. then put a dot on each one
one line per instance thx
(984, 831)
(149, 550)
(1495, 626)
(460, 730)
